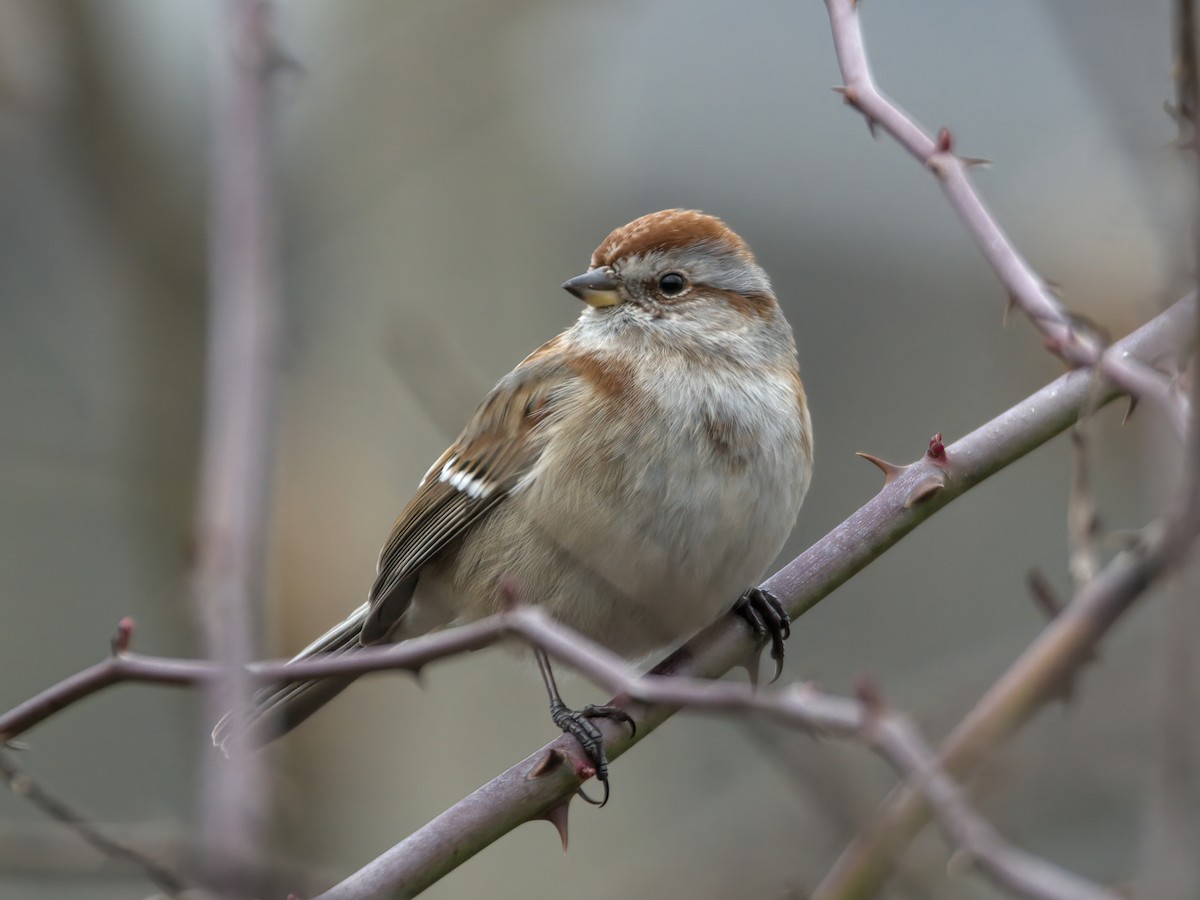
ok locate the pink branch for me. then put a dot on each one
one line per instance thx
(239, 424)
(1068, 339)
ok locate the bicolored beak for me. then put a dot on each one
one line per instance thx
(596, 288)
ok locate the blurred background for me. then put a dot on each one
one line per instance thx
(442, 167)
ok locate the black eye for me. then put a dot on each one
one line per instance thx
(672, 284)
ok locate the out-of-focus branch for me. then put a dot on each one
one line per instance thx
(23, 785)
(1029, 683)
(239, 423)
(1021, 873)
(1083, 523)
(1073, 342)
(865, 720)
(910, 495)
(1171, 828)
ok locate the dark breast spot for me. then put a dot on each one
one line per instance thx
(730, 442)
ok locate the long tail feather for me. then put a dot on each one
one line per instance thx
(278, 708)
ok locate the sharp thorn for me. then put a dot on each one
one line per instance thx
(557, 816)
(890, 471)
(753, 665)
(1044, 596)
(1133, 402)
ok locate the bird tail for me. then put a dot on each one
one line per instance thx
(278, 708)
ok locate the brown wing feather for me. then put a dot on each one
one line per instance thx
(498, 446)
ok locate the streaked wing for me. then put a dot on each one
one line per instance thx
(499, 445)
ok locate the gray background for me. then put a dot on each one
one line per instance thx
(442, 168)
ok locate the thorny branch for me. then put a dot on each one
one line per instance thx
(910, 495)
(23, 785)
(1070, 339)
(1071, 638)
(865, 719)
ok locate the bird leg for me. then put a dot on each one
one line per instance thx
(578, 723)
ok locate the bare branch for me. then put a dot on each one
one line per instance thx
(238, 444)
(1083, 523)
(514, 797)
(1025, 875)
(1067, 337)
(865, 720)
(1035, 677)
(23, 785)
(830, 562)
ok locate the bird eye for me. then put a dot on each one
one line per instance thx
(672, 284)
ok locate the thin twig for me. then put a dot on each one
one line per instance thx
(1083, 523)
(1068, 338)
(912, 494)
(24, 786)
(239, 424)
(830, 562)
(800, 706)
(1021, 873)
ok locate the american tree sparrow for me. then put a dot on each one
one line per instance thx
(634, 476)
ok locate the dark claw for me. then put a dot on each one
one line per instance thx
(767, 618)
(591, 711)
(577, 722)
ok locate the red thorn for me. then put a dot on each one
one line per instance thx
(557, 816)
(123, 637)
(945, 141)
(584, 770)
(890, 471)
(937, 450)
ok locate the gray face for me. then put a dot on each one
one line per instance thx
(707, 297)
(666, 282)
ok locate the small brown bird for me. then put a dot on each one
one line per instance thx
(634, 476)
